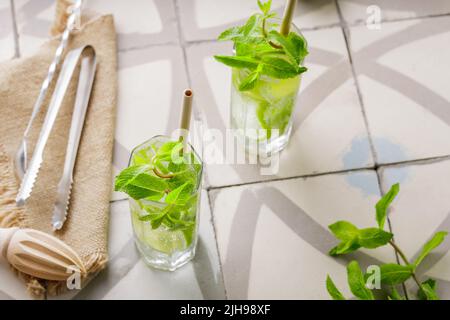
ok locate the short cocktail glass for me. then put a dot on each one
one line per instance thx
(262, 117)
(173, 243)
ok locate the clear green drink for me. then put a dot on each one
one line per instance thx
(267, 65)
(262, 116)
(164, 182)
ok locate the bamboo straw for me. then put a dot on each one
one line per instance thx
(287, 17)
(185, 120)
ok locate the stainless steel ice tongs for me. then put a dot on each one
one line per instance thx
(87, 57)
(21, 158)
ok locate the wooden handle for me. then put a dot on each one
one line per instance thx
(39, 254)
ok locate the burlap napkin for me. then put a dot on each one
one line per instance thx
(20, 80)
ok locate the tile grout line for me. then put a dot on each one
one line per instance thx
(356, 23)
(198, 115)
(305, 176)
(346, 34)
(313, 175)
(422, 161)
(15, 30)
(213, 222)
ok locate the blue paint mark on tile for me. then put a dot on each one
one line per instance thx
(388, 151)
(359, 154)
(367, 182)
(394, 175)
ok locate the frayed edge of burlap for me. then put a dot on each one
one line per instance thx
(94, 263)
(10, 215)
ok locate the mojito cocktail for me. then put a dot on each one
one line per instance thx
(266, 73)
(163, 182)
(262, 117)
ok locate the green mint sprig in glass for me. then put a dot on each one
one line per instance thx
(391, 274)
(263, 50)
(169, 175)
(266, 72)
(163, 182)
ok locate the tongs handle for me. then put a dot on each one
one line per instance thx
(85, 82)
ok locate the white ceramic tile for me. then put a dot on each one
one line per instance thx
(6, 32)
(206, 19)
(327, 104)
(151, 82)
(402, 71)
(11, 287)
(34, 19)
(138, 23)
(273, 238)
(127, 277)
(421, 209)
(357, 10)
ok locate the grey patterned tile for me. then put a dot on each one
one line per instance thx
(139, 23)
(206, 19)
(357, 10)
(273, 238)
(402, 70)
(327, 104)
(11, 287)
(127, 277)
(421, 209)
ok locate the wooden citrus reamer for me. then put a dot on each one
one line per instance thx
(39, 254)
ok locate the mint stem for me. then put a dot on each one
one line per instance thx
(264, 32)
(287, 17)
(406, 261)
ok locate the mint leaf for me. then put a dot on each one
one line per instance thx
(250, 81)
(300, 45)
(383, 204)
(344, 230)
(230, 34)
(139, 184)
(265, 7)
(167, 151)
(140, 193)
(357, 283)
(393, 274)
(127, 175)
(372, 238)
(433, 243)
(332, 290)
(149, 182)
(238, 61)
(180, 195)
(395, 295)
(141, 157)
(257, 39)
(428, 290)
(345, 247)
(289, 47)
(251, 25)
(166, 148)
(188, 235)
(280, 68)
